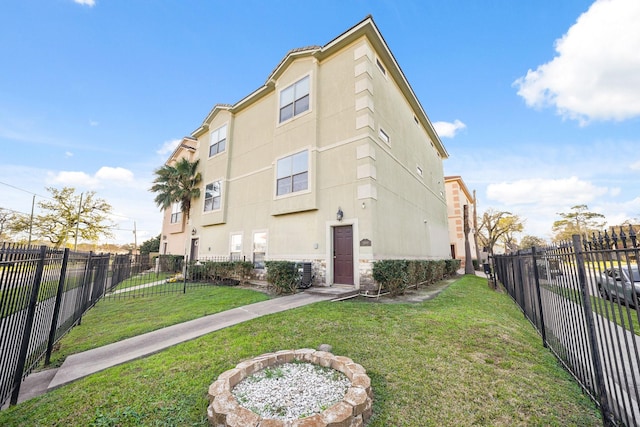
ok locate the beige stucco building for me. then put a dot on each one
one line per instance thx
(332, 161)
(458, 196)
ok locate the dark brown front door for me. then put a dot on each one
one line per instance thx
(343, 255)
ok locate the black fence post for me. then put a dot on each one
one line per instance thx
(591, 332)
(536, 278)
(26, 337)
(185, 269)
(56, 309)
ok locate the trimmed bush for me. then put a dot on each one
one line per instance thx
(225, 272)
(282, 276)
(396, 276)
(393, 274)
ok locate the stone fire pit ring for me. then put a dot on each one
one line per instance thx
(352, 411)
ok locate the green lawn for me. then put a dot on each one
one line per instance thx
(113, 320)
(467, 357)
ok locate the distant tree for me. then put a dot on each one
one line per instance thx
(579, 221)
(529, 241)
(5, 219)
(151, 245)
(177, 183)
(498, 226)
(67, 213)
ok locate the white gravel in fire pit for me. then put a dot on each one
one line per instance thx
(291, 390)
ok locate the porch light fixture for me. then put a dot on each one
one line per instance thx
(193, 231)
(339, 214)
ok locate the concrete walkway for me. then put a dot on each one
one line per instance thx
(86, 363)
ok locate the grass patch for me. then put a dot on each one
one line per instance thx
(141, 279)
(114, 320)
(467, 357)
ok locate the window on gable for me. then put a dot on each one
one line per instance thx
(218, 141)
(293, 173)
(176, 213)
(294, 99)
(212, 196)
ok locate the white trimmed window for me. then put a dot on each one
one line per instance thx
(212, 196)
(293, 173)
(259, 248)
(218, 141)
(294, 99)
(383, 135)
(235, 246)
(176, 213)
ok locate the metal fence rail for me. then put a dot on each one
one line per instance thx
(586, 317)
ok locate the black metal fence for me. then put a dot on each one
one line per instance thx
(582, 297)
(43, 293)
(169, 274)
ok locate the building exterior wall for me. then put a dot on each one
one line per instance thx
(457, 197)
(393, 210)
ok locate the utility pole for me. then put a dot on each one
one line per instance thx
(468, 262)
(33, 203)
(135, 238)
(75, 245)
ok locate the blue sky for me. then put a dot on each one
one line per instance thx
(536, 101)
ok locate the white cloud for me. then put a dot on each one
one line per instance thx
(93, 123)
(635, 166)
(168, 147)
(106, 173)
(448, 129)
(68, 154)
(89, 3)
(555, 192)
(73, 179)
(596, 73)
(104, 177)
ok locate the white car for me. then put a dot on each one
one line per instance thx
(620, 283)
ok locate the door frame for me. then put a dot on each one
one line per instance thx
(330, 225)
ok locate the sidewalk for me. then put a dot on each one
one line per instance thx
(80, 365)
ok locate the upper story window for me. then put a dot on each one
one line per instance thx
(176, 213)
(383, 135)
(218, 141)
(381, 67)
(212, 196)
(294, 99)
(293, 173)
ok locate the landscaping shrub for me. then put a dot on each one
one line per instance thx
(396, 275)
(392, 274)
(225, 272)
(282, 276)
(451, 266)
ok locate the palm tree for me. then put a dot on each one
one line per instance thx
(178, 183)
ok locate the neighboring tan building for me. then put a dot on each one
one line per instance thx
(457, 197)
(174, 225)
(333, 161)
